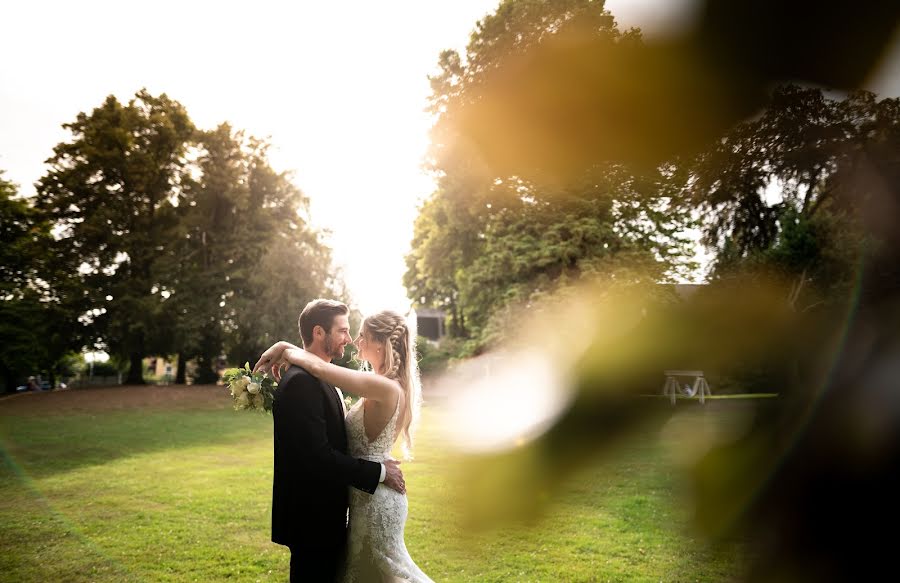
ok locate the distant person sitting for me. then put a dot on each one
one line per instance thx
(32, 384)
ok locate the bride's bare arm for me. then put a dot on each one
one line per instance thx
(368, 385)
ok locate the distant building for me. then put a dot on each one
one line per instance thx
(430, 323)
(159, 366)
(163, 369)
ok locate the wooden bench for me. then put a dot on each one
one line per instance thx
(672, 386)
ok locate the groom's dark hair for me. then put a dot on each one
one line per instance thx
(319, 313)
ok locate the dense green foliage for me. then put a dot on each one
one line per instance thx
(486, 240)
(776, 196)
(782, 193)
(149, 236)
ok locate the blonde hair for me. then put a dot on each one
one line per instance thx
(390, 330)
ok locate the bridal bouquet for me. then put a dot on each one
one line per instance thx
(250, 390)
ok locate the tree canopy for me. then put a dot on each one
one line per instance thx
(149, 236)
(487, 238)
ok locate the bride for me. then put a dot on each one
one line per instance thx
(388, 406)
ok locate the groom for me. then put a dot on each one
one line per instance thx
(312, 468)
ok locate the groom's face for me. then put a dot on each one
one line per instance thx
(338, 337)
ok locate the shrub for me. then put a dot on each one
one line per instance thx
(102, 369)
(434, 357)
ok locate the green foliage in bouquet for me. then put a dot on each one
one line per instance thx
(250, 390)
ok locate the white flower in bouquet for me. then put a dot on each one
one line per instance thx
(237, 388)
(250, 390)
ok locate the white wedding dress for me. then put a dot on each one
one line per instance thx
(376, 550)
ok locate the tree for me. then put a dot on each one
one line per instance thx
(246, 259)
(211, 235)
(574, 102)
(39, 306)
(293, 268)
(779, 193)
(188, 242)
(19, 227)
(110, 192)
(463, 89)
(486, 237)
(547, 90)
(22, 232)
(445, 239)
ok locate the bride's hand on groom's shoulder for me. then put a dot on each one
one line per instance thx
(276, 369)
(272, 360)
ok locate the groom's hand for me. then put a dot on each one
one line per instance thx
(393, 477)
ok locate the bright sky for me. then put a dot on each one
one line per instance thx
(339, 87)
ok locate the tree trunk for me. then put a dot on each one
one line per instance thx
(205, 373)
(181, 374)
(457, 328)
(136, 371)
(9, 379)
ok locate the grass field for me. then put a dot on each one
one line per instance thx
(170, 484)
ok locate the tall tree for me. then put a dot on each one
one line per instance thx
(465, 84)
(577, 103)
(39, 294)
(445, 239)
(246, 259)
(201, 263)
(487, 237)
(23, 232)
(291, 266)
(110, 192)
(780, 193)
(549, 91)
(19, 229)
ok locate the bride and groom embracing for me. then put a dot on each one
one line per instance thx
(329, 459)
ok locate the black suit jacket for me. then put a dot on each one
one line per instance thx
(312, 468)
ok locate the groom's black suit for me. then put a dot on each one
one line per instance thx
(312, 473)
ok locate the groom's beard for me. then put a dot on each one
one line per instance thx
(334, 350)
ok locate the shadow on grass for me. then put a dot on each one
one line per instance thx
(42, 445)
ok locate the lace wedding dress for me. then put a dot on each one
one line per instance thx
(376, 550)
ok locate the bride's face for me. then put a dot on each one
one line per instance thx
(367, 350)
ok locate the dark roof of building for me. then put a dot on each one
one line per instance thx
(429, 313)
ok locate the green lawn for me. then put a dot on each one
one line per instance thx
(182, 493)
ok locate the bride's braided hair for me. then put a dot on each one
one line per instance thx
(389, 330)
(399, 341)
